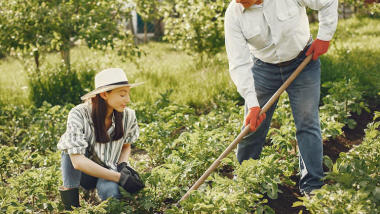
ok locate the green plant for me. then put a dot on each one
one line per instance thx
(46, 128)
(33, 128)
(59, 85)
(344, 98)
(197, 27)
(356, 179)
(32, 27)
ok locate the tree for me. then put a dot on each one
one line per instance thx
(33, 26)
(197, 26)
(149, 10)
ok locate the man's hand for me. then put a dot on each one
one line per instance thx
(318, 47)
(253, 118)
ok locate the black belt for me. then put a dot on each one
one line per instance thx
(286, 63)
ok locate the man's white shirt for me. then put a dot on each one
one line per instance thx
(275, 31)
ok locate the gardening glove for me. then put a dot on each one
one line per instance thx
(253, 118)
(318, 47)
(121, 166)
(130, 181)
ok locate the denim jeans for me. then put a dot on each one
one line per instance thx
(304, 94)
(73, 178)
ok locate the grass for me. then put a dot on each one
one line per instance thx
(13, 83)
(354, 53)
(162, 69)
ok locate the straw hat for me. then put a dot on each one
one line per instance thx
(109, 79)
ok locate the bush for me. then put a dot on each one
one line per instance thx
(59, 85)
(36, 129)
(197, 27)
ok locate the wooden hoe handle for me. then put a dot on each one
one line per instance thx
(246, 129)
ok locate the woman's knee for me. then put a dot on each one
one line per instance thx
(108, 189)
(70, 176)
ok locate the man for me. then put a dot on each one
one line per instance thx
(266, 40)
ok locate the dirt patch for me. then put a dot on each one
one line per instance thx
(332, 148)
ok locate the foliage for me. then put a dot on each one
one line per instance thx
(32, 128)
(149, 11)
(34, 189)
(197, 26)
(356, 177)
(35, 26)
(255, 179)
(374, 9)
(344, 98)
(59, 85)
(352, 56)
(362, 7)
(282, 132)
(180, 144)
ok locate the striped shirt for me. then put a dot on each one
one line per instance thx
(80, 136)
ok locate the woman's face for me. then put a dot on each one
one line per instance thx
(118, 98)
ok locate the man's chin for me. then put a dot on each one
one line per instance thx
(247, 5)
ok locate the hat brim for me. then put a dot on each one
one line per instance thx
(93, 93)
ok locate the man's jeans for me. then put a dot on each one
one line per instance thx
(304, 94)
(72, 178)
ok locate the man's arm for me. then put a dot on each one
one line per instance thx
(327, 16)
(328, 20)
(239, 59)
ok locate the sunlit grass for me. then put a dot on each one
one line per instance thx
(13, 83)
(354, 53)
(161, 69)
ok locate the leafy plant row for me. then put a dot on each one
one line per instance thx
(356, 178)
(180, 146)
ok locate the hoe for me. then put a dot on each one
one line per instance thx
(246, 129)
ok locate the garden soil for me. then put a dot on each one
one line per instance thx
(332, 148)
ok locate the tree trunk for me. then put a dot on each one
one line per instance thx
(132, 29)
(344, 11)
(36, 59)
(145, 32)
(158, 28)
(65, 53)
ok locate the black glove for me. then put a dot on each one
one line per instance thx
(129, 179)
(121, 166)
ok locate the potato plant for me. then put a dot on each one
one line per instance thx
(181, 145)
(356, 179)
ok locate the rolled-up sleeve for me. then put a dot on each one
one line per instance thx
(73, 140)
(131, 127)
(327, 16)
(239, 59)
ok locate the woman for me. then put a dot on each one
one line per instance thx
(97, 142)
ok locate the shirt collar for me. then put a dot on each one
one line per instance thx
(252, 7)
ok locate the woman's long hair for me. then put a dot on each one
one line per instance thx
(99, 110)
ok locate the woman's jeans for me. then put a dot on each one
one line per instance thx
(304, 93)
(72, 178)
